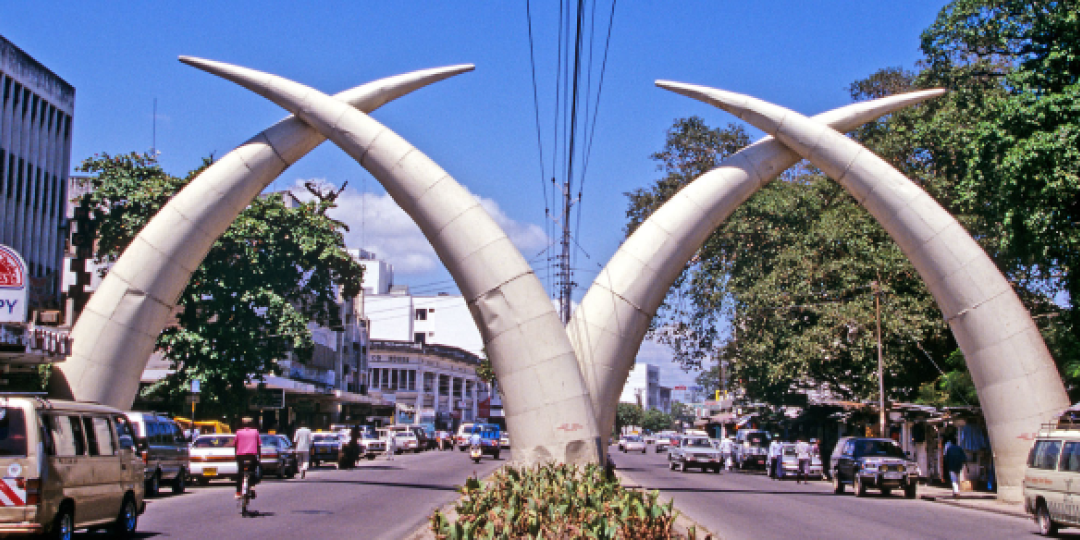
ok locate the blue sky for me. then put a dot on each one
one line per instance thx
(480, 126)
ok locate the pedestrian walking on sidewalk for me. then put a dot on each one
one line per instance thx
(302, 440)
(955, 458)
(802, 453)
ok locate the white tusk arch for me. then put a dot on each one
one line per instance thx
(1016, 378)
(117, 330)
(610, 323)
(547, 404)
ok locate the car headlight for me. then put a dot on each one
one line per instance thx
(882, 468)
(902, 468)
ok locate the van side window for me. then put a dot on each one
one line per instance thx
(66, 432)
(106, 445)
(1045, 455)
(91, 436)
(1070, 457)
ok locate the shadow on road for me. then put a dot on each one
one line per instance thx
(434, 487)
(735, 491)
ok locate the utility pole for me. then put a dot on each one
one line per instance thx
(565, 275)
(880, 362)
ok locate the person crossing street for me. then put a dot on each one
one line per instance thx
(302, 439)
(775, 457)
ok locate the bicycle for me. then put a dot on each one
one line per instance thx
(246, 491)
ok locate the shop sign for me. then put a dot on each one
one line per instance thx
(268, 398)
(13, 286)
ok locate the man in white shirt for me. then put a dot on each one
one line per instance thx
(802, 452)
(727, 449)
(775, 456)
(302, 439)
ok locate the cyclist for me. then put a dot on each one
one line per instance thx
(248, 448)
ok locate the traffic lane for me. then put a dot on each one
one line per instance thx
(736, 506)
(379, 499)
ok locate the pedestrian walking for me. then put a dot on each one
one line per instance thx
(802, 453)
(302, 440)
(391, 446)
(955, 458)
(727, 449)
(775, 456)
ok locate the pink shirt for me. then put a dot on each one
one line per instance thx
(247, 442)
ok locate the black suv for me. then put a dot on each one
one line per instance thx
(872, 463)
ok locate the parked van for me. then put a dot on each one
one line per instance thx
(1052, 478)
(67, 466)
(164, 451)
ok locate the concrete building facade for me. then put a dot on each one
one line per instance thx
(643, 388)
(36, 111)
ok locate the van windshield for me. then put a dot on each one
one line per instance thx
(12, 432)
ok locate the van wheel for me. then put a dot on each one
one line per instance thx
(63, 524)
(860, 488)
(128, 519)
(837, 485)
(153, 485)
(1047, 527)
(179, 484)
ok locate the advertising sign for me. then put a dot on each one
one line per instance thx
(13, 286)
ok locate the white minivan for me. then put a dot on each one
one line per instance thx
(1052, 478)
(66, 466)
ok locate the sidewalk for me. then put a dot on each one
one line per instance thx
(976, 500)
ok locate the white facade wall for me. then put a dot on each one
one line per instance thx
(442, 319)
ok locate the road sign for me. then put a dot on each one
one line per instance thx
(191, 399)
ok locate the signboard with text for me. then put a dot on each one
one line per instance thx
(13, 286)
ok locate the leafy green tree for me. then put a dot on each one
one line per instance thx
(627, 414)
(655, 420)
(248, 305)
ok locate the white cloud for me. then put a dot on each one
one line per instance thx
(376, 223)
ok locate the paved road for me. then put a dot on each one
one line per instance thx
(751, 506)
(380, 499)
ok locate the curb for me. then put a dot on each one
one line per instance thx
(991, 505)
(449, 510)
(683, 523)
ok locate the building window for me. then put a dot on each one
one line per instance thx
(421, 314)
(420, 337)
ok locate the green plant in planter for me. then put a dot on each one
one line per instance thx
(555, 501)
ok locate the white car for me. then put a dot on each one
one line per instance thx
(404, 440)
(214, 456)
(634, 443)
(504, 439)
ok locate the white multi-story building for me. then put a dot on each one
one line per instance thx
(394, 314)
(424, 351)
(36, 109)
(643, 388)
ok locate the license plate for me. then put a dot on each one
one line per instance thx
(893, 476)
(209, 471)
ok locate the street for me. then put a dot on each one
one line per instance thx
(749, 505)
(379, 499)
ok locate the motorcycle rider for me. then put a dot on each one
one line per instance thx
(474, 441)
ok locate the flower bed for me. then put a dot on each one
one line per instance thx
(556, 501)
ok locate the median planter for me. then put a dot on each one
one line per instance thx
(555, 501)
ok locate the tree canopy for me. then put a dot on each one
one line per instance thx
(276, 269)
(781, 293)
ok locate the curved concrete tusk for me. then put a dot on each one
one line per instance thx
(609, 325)
(547, 405)
(116, 333)
(1016, 378)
